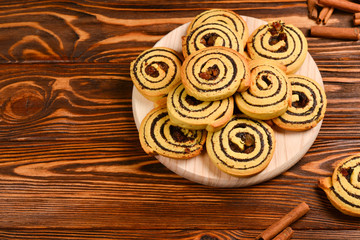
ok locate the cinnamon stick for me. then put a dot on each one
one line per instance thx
(328, 15)
(284, 222)
(335, 32)
(343, 5)
(313, 13)
(356, 21)
(324, 11)
(284, 235)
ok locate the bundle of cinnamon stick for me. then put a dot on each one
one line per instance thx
(280, 229)
(321, 11)
(321, 16)
(356, 19)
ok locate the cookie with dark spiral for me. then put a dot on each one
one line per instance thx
(188, 112)
(223, 16)
(343, 188)
(279, 42)
(211, 34)
(215, 73)
(269, 94)
(243, 147)
(308, 105)
(159, 136)
(155, 72)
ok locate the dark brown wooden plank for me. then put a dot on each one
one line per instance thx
(102, 184)
(62, 101)
(93, 101)
(93, 32)
(170, 234)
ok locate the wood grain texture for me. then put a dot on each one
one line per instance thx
(71, 166)
(170, 234)
(83, 185)
(61, 101)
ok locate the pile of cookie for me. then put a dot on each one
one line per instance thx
(225, 93)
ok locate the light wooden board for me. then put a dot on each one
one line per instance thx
(290, 146)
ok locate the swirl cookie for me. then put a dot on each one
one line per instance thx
(211, 34)
(343, 188)
(188, 112)
(214, 73)
(227, 17)
(308, 105)
(158, 136)
(243, 147)
(155, 72)
(282, 43)
(269, 94)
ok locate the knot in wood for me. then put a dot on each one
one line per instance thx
(23, 103)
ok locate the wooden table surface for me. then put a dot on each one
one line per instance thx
(71, 165)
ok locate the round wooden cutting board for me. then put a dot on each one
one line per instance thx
(290, 146)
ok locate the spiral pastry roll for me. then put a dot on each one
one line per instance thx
(214, 73)
(188, 112)
(243, 147)
(276, 41)
(155, 72)
(211, 34)
(227, 17)
(343, 188)
(269, 94)
(308, 105)
(159, 136)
